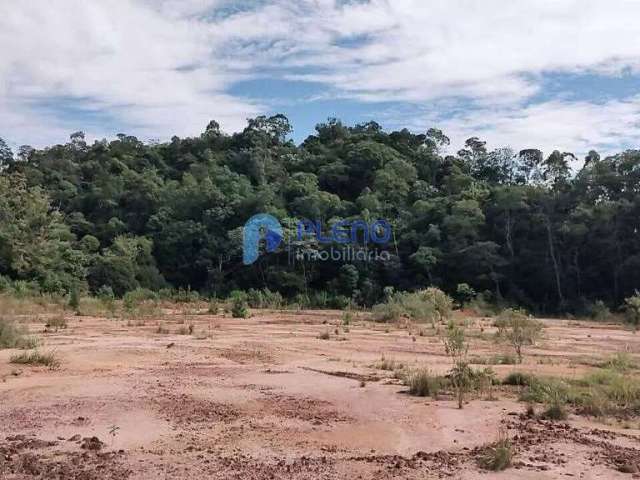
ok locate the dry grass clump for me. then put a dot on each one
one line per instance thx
(422, 383)
(499, 455)
(14, 336)
(56, 323)
(47, 359)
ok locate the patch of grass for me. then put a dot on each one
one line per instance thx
(389, 364)
(601, 393)
(519, 379)
(555, 411)
(499, 359)
(620, 362)
(48, 359)
(498, 456)
(422, 383)
(13, 336)
(56, 323)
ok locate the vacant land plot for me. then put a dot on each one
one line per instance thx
(300, 395)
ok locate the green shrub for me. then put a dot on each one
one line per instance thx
(545, 390)
(239, 307)
(632, 310)
(598, 311)
(464, 294)
(187, 295)
(264, 298)
(430, 305)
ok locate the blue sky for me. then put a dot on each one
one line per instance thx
(552, 75)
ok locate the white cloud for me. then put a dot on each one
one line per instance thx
(575, 127)
(160, 68)
(153, 73)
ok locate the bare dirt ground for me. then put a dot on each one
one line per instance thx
(265, 398)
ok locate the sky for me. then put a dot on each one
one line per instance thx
(548, 74)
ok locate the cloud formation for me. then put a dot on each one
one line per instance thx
(162, 68)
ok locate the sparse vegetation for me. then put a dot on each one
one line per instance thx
(47, 359)
(498, 456)
(621, 362)
(56, 323)
(518, 329)
(430, 305)
(422, 383)
(632, 310)
(13, 336)
(456, 347)
(519, 379)
(239, 306)
(389, 364)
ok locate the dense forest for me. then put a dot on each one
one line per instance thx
(550, 234)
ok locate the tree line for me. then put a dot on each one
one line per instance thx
(551, 234)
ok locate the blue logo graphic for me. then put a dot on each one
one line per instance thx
(260, 226)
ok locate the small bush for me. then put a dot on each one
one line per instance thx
(48, 359)
(545, 390)
(422, 383)
(264, 298)
(464, 294)
(519, 379)
(239, 307)
(598, 311)
(347, 317)
(632, 310)
(556, 410)
(430, 305)
(498, 457)
(518, 329)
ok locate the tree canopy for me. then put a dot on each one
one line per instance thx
(550, 234)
